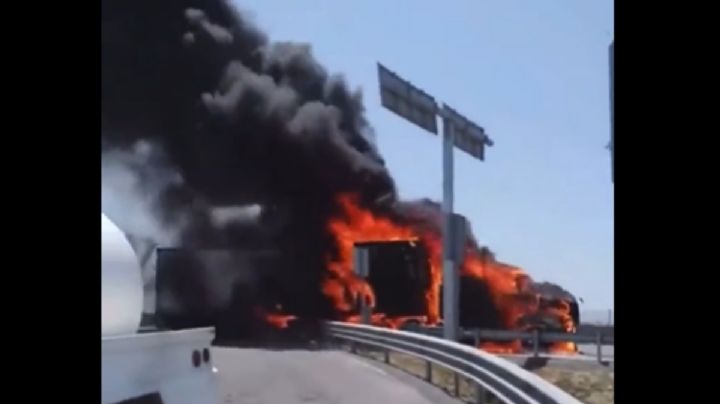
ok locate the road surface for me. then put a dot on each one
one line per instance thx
(255, 376)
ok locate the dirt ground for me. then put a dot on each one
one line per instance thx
(591, 386)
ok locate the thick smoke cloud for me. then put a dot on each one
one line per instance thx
(243, 120)
(214, 137)
(134, 181)
(246, 141)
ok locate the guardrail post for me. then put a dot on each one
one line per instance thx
(598, 340)
(456, 384)
(477, 338)
(536, 342)
(480, 394)
(428, 371)
(353, 347)
(386, 356)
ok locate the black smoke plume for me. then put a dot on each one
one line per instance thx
(221, 139)
(240, 121)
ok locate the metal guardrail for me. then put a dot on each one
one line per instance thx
(597, 317)
(504, 335)
(535, 338)
(504, 379)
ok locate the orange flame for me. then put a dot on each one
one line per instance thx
(360, 225)
(502, 347)
(508, 284)
(563, 312)
(276, 319)
(381, 320)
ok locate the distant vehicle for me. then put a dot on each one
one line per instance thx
(146, 366)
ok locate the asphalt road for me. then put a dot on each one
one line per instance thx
(255, 376)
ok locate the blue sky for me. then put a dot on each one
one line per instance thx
(533, 73)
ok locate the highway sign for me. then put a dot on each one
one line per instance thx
(403, 98)
(467, 135)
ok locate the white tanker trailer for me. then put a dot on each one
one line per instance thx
(170, 367)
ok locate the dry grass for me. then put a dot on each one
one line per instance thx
(591, 386)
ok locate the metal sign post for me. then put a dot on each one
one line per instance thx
(413, 104)
(612, 110)
(450, 268)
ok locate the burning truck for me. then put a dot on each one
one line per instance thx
(403, 285)
(220, 140)
(493, 295)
